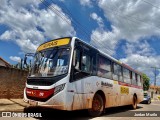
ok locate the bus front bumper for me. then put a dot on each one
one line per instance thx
(51, 103)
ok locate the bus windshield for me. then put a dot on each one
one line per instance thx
(50, 62)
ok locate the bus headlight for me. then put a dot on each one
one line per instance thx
(59, 88)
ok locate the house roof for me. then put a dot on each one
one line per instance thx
(6, 63)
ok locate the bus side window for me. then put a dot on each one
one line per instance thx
(81, 64)
(131, 77)
(126, 75)
(136, 79)
(86, 63)
(117, 72)
(139, 80)
(104, 67)
(77, 59)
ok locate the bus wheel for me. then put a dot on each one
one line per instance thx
(97, 106)
(134, 104)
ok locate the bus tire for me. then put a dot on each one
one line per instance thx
(134, 104)
(97, 106)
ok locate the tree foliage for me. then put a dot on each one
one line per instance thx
(146, 80)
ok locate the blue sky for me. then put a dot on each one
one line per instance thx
(128, 30)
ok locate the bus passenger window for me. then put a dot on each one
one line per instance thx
(82, 65)
(85, 66)
(77, 60)
(134, 78)
(126, 75)
(117, 72)
(104, 67)
(139, 80)
(131, 76)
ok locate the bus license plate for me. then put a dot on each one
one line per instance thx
(33, 103)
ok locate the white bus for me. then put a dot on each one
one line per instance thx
(69, 74)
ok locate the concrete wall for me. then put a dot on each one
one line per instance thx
(12, 82)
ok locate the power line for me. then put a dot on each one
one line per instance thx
(123, 18)
(150, 4)
(58, 13)
(80, 25)
(63, 18)
(86, 29)
(128, 19)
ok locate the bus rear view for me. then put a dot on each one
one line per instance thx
(46, 83)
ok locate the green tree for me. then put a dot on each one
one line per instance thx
(146, 80)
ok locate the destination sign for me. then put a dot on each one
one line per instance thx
(54, 43)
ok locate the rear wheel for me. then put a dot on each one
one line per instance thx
(97, 106)
(134, 104)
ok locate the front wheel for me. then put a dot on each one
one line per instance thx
(97, 106)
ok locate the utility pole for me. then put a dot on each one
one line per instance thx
(155, 69)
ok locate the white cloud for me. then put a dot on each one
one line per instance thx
(135, 19)
(105, 40)
(20, 3)
(7, 35)
(99, 20)
(140, 61)
(130, 20)
(141, 48)
(55, 26)
(26, 45)
(85, 2)
(15, 58)
(29, 25)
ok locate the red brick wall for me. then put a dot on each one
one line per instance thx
(12, 82)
